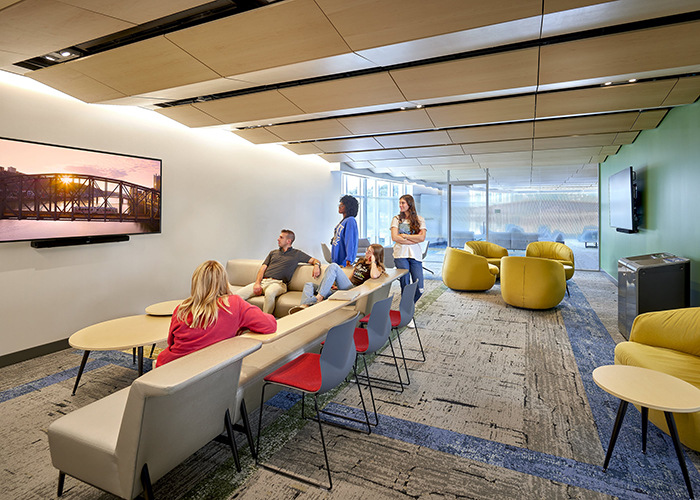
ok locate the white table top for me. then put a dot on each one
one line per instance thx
(163, 308)
(648, 388)
(122, 333)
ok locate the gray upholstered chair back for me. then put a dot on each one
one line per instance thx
(407, 306)
(174, 410)
(327, 254)
(379, 324)
(338, 354)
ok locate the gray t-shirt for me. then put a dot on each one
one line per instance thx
(281, 265)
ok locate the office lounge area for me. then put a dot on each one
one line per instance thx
(461, 430)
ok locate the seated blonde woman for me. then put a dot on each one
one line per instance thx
(369, 266)
(211, 315)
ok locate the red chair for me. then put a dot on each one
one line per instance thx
(315, 374)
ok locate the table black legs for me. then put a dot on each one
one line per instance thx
(80, 370)
(616, 430)
(140, 360)
(671, 422)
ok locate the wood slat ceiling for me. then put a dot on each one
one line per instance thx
(516, 86)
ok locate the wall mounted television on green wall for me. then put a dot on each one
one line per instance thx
(623, 198)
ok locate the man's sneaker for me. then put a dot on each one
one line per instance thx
(296, 309)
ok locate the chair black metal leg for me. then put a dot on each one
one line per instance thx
(345, 417)
(378, 379)
(616, 430)
(140, 349)
(133, 355)
(323, 442)
(80, 370)
(645, 425)
(257, 445)
(247, 428)
(232, 439)
(567, 289)
(61, 480)
(369, 384)
(153, 348)
(146, 483)
(403, 356)
(671, 422)
(419, 342)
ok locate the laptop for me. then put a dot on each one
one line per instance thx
(344, 295)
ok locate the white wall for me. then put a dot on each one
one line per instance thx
(223, 198)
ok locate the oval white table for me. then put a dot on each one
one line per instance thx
(118, 334)
(648, 389)
(166, 308)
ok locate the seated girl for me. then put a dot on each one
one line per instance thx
(369, 266)
(211, 315)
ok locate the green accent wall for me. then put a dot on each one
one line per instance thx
(667, 163)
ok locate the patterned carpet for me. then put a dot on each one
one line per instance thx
(505, 407)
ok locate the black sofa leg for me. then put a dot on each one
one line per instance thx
(61, 480)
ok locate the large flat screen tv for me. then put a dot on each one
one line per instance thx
(54, 193)
(623, 201)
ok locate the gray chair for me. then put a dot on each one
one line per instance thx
(315, 374)
(327, 254)
(425, 253)
(126, 441)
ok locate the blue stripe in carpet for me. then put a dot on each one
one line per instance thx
(97, 359)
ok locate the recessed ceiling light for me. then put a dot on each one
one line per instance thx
(403, 108)
(50, 58)
(66, 53)
(608, 83)
(632, 80)
(419, 106)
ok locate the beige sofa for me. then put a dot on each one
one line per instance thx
(242, 272)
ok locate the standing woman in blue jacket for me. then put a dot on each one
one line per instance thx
(345, 236)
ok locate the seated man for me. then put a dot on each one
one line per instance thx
(277, 270)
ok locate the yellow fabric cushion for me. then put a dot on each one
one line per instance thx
(491, 251)
(554, 251)
(532, 283)
(677, 329)
(679, 364)
(465, 271)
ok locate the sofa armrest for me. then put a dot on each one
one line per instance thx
(677, 329)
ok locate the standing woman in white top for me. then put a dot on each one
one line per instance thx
(407, 232)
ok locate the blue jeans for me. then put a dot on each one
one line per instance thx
(332, 274)
(415, 270)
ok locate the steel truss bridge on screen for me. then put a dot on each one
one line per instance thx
(77, 197)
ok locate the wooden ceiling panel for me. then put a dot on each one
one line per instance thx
(62, 77)
(40, 26)
(7, 58)
(373, 23)
(603, 99)
(381, 154)
(609, 150)
(305, 148)
(260, 135)
(513, 70)
(575, 141)
(198, 89)
(279, 34)
(346, 93)
(144, 67)
(498, 146)
(346, 145)
(395, 121)
(500, 157)
(432, 151)
(649, 119)
(491, 133)
(661, 51)
(585, 124)
(483, 112)
(406, 162)
(189, 115)
(447, 161)
(686, 91)
(135, 11)
(260, 106)
(434, 138)
(625, 138)
(335, 158)
(565, 154)
(359, 164)
(316, 129)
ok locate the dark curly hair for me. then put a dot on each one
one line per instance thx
(351, 205)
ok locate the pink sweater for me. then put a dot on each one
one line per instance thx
(239, 314)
